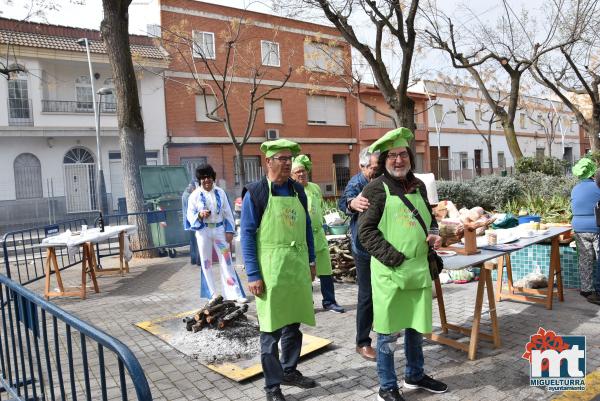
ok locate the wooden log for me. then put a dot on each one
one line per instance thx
(230, 317)
(216, 308)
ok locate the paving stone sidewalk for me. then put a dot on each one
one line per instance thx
(163, 287)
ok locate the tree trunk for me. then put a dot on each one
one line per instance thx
(114, 30)
(594, 127)
(406, 118)
(239, 153)
(490, 153)
(511, 139)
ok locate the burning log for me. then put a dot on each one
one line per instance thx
(216, 314)
(237, 313)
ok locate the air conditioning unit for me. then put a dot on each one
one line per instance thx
(327, 189)
(272, 134)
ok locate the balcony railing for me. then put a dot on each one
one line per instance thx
(65, 106)
(385, 124)
(20, 112)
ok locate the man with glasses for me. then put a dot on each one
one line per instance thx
(397, 230)
(278, 249)
(352, 203)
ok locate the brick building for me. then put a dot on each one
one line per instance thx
(314, 107)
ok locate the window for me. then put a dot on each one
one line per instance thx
(328, 110)
(370, 118)
(573, 123)
(28, 176)
(269, 53)
(478, 116)
(539, 153)
(83, 88)
(323, 58)
(460, 114)
(204, 44)
(501, 161)
(522, 120)
(109, 102)
(205, 104)
(252, 168)
(568, 155)
(438, 110)
(191, 164)
(464, 160)
(273, 111)
(342, 171)
(18, 99)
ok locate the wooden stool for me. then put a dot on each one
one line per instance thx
(485, 280)
(543, 296)
(86, 268)
(123, 264)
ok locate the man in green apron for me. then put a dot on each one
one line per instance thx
(400, 278)
(278, 250)
(301, 166)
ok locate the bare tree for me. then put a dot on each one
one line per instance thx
(511, 47)
(572, 72)
(114, 29)
(218, 77)
(545, 119)
(393, 22)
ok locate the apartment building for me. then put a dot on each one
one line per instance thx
(47, 125)
(459, 119)
(373, 125)
(313, 108)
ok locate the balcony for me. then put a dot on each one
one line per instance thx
(20, 112)
(64, 106)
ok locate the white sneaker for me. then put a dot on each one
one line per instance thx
(242, 300)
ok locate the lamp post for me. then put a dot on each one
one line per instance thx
(100, 186)
(104, 201)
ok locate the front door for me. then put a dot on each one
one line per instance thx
(478, 162)
(80, 180)
(440, 166)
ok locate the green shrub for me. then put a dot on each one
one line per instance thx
(556, 209)
(459, 193)
(545, 185)
(548, 165)
(492, 191)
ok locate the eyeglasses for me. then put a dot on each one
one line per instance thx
(205, 177)
(394, 156)
(283, 159)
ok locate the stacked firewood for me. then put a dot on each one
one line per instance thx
(342, 261)
(216, 314)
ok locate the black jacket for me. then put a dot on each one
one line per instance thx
(369, 235)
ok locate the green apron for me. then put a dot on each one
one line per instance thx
(283, 260)
(315, 209)
(402, 295)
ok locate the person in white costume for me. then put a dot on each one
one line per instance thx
(210, 216)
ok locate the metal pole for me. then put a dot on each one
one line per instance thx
(97, 117)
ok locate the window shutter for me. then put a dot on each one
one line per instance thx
(316, 109)
(336, 110)
(273, 111)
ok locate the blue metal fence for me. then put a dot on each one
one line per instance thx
(48, 354)
(24, 260)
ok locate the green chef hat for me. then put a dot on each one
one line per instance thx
(271, 148)
(392, 139)
(302, 161)
(584, 168)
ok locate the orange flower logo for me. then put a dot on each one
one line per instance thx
(544, 340)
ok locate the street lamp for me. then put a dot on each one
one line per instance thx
(104, 201)
(438, 128)
(100, 186)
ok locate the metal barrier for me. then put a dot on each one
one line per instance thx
(165, 226)
(22, 255)
(48, 354)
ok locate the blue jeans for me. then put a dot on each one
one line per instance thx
(327, 290)
(273, 367)
(364, 304)
(413, 351)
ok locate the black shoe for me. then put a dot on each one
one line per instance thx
(275, 395)
(295, 378)
(427, 383)
(389, 395)
(594, 298)
(585, 294)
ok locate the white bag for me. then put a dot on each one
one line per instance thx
(333, 218)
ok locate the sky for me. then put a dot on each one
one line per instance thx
(429, 64)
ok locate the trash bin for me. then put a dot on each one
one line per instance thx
(162, 187)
